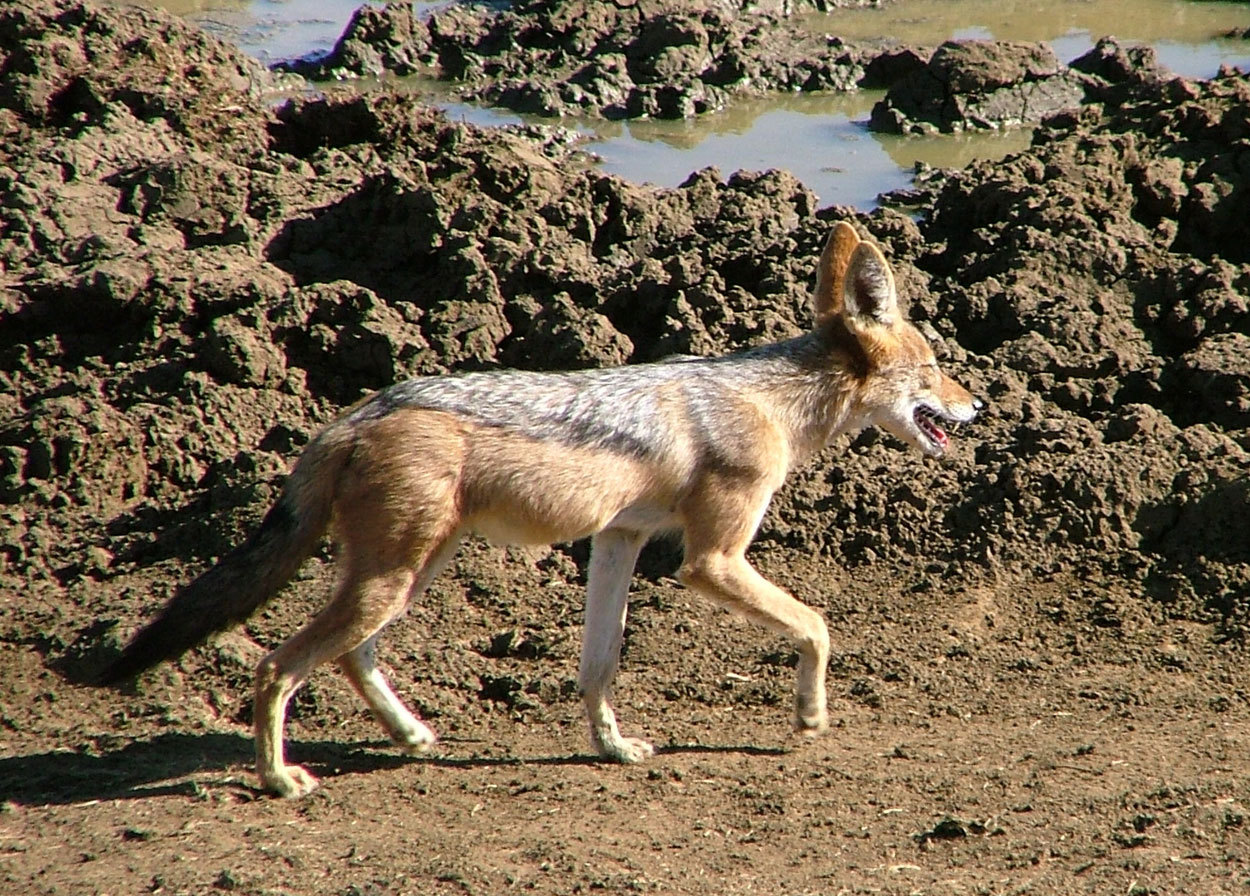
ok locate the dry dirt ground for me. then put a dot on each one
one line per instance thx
(1039, 680)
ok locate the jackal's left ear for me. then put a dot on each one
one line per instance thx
(831, 271)
(868, 286)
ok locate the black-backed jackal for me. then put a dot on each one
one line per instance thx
(693, 445)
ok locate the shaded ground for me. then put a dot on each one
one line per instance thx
(1039, 682)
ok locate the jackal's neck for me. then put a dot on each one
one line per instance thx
(807, 388)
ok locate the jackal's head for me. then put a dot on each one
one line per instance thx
(899, 385)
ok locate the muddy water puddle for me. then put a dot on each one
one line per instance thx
(1185, 33)
(822, 139)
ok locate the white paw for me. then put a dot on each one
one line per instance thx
(810, 717)
(811, 725)
(290, 781)
(811, 731)
(625, 749)
(415, 741)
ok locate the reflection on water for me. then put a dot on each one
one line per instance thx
(270, 30)
(1186, 33)
(932, 21)
(953, 150)
(821, 139)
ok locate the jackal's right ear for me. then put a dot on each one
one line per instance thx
(868, 291)
(831, 271)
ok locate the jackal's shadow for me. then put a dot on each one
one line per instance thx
(168, 764)
(180, 764)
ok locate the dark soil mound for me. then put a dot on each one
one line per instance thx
(978, 84)
(1105, 272)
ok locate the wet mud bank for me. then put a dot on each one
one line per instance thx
(628, 60)
(194, 279)
(675, 60)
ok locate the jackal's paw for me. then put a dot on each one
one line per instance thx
(415, 741)
(290, 781)
(810, 719)
(625, 749)
(811, 730)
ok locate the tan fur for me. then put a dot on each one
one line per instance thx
(407, 476)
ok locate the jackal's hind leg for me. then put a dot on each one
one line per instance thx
(401, 725)
(357, 612)
(360, 666)
(613, 554)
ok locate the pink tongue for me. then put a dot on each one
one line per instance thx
(938, 435)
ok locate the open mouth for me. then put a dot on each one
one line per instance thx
(927, 420)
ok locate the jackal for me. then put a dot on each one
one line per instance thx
(696, 446)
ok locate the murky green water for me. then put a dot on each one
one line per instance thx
(821, 139)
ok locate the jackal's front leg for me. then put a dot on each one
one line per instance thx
(731, 581)
(721, 515)
(613, 554)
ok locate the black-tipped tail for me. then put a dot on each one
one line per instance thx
(225, 595)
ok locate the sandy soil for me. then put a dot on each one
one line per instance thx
(1039, 680)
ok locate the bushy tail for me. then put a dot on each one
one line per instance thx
(247, 577)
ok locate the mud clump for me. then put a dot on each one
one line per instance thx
(977, 84)
(672, 60)
(76, 68)
(1103, 287)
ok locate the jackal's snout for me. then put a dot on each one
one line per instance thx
(936, 422)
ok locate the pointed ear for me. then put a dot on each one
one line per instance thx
(831, 269)
(868, 286)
